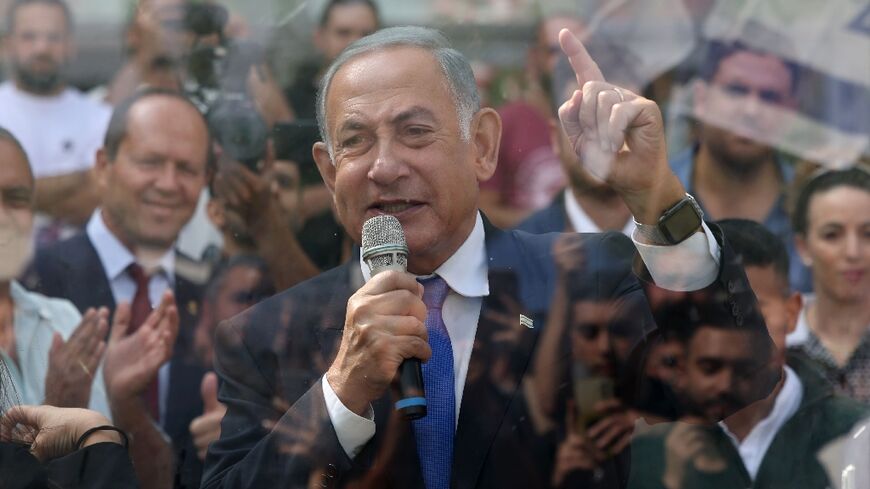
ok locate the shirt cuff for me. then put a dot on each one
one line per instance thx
(690, 265)
(353, 430)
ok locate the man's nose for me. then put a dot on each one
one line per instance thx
(602, 342)
(41, 43)
(387, 167)
(167, 179)
(724, 381)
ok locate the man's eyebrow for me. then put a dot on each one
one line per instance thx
(411, 113)
(351, 124)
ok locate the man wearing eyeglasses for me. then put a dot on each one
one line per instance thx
(733, 172)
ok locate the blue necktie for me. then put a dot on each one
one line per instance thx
(434, 432)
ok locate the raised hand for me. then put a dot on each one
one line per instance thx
(132, 361)
(73, 363)
(619, 137)
(207, 428)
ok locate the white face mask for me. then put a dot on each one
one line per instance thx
(16, 248)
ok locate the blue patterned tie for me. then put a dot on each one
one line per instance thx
(434, 432)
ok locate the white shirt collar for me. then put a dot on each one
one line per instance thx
(115, 256)
(466, 271)
(754, 447)
(580, 220)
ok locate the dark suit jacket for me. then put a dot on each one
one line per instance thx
(71, 269)
(270, 359)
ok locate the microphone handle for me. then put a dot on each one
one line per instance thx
(412, 398)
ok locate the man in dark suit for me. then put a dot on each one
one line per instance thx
(151, 171)
(306, 375)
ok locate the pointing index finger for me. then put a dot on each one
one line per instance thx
(585, 68)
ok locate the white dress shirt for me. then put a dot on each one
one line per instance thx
(580, 220)
(756, 443)
(115, 258)
(466, 272)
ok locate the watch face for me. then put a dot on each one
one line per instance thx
(680, 223)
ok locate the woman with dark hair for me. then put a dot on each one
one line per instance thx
(46, 446)
(832, 228)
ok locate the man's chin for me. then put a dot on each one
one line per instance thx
(39, 82)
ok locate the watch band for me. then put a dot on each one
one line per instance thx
(650, 234)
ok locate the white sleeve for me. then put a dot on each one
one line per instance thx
(690, 265)
(353, 430)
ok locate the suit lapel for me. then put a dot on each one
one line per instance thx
(484, 404)
(85, 267)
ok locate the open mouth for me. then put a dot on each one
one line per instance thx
(394, 208)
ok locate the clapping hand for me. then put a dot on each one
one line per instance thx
(73, 363)
(132, 361)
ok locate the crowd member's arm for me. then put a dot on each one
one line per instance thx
(268, 97)
(251, 196)
(71, 197)
(132, 363)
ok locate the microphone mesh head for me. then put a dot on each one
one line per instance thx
(381, 230)
(383, 244)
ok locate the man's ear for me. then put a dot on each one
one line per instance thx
(700, 93)
(486, 137)
(324, 165)
(101, 167)
(72, 49)
(793, 305)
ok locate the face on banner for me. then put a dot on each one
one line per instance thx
(739, 106)
(16, 211)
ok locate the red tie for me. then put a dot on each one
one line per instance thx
(139, 311)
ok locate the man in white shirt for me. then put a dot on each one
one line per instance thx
(306, 374)
(59, 127)
(53, 356)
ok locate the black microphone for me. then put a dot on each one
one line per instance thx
(384, 248)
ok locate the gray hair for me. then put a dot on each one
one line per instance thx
(457, 71)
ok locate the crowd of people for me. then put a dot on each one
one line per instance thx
(591, 308)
